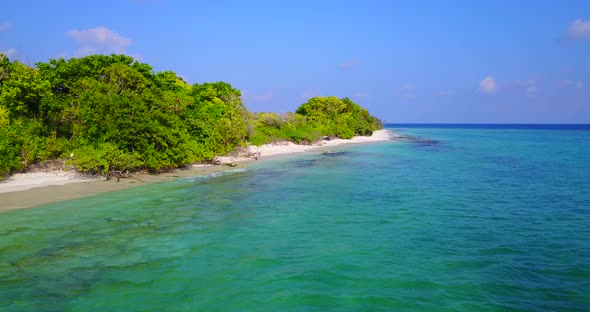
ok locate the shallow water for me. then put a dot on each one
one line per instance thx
(477, 219)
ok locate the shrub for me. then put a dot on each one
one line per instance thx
(104, 159)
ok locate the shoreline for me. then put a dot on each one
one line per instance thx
(26, 190)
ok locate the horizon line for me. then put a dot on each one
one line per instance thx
(483, 123)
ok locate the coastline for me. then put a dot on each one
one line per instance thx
(26, 190)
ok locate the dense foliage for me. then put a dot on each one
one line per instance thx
(319, 117)
(111, 113)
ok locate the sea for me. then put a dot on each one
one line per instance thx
(442, 218)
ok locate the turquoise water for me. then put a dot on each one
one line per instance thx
(452, 219)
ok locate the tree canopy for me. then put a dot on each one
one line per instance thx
(112, 112)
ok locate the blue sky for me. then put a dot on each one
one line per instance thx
(406, 61)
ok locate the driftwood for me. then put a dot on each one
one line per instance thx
(254, 155)
(235, 157)
(122, 174)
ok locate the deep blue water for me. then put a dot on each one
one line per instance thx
(493, 126)
(447, 218)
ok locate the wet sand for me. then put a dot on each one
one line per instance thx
(54, 193)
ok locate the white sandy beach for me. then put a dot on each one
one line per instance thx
(27, 181)
(282, 148)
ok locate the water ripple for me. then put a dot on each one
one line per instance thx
(487, 224)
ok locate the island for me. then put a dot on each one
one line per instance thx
(111, 115)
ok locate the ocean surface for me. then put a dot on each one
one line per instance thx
(446, 218)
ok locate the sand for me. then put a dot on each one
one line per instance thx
(25, 190)
(25, 181)
(283, 148)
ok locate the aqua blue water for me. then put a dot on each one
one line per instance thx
(466, 218)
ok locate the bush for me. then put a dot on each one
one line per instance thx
(9, 151)
(320, 116)
(339, 117)
(117, 114)
(104, 159)
(53, 148)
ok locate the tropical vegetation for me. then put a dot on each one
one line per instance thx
(104, 113)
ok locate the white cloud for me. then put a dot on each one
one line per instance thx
(10, 53)
(5, 27)
(137, 57)
(529, 86)
(85, 51)
(99, 40)
(531, 89)
(350, 64)
(565, 83)
(579, 29)
(488, 85)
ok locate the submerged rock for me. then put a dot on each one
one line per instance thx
(418, 140)
(426, 142)
(335, 154)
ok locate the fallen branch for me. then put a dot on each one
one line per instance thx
(122, 174)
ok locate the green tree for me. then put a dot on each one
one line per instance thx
(21, 89)
(115, 113)
(123, 108)
(216, 119)
(339, 117)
